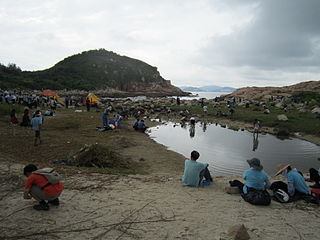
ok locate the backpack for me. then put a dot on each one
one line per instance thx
(50, 174)
(257, 197)
(280, 196)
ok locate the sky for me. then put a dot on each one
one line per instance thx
(235, 43)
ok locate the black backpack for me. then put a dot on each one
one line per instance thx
(257, 197)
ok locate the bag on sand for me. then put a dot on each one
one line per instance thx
(50, 174)
(280, 196)
(257, 197)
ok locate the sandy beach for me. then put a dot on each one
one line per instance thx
(149, 205)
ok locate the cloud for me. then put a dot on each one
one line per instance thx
(282, 35)
(230, 42)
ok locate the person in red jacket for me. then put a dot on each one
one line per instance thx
(38, 187)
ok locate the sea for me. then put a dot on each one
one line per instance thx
(207, 95)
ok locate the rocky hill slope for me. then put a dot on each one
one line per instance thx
(93, 70)
(260, 92)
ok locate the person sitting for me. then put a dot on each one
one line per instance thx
(297, 186)
(315, 177)
(256, 178)
(118, 119)
(139, 125)
(38, 187)
(195, 171)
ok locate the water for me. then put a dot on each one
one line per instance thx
(227, 150)
(207, 95)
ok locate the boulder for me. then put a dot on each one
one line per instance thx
(266, 111)
(238, 232)
(279, 105)
(316, 110)
(282, 117)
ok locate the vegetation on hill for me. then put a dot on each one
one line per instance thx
(89, 70)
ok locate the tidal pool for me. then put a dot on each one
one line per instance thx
(227, 150)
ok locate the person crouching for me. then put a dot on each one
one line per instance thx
(38, 187)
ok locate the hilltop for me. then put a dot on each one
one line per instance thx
(93, 70)
(261, 92)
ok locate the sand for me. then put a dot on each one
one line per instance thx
(153, 205)
(100, 206)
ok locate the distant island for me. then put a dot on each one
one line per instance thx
(209, 88)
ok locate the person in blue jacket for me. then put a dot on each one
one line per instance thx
(256, 179)
(297, 186)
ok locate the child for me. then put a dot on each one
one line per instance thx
(38, 187)
(36, 123)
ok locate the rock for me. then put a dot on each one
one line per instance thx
(283, 132)
(238, 232)
(316, 110)
(282, 117)
(279, 105)
(266, 111)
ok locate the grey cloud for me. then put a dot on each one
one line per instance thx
(282, 35)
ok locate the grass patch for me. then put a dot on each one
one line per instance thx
(5, 109)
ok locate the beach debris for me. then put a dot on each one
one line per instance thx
(282, 117)
(238, 232)
(96, 155)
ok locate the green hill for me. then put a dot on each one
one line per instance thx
(91, 70)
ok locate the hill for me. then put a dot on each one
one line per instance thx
(209, 88)
(92, 70)
(260, 92)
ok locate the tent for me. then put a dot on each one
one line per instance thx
(93, 98)
(50, 93)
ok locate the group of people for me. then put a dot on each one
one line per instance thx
(256, 181)
(35, 123)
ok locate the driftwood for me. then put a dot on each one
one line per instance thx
(124, 226)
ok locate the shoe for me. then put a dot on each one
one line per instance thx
(41, 206)
(54, 202)
(206, 182)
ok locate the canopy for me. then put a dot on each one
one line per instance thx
(93, 98)
(50, 93)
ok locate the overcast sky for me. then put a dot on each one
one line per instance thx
(233, 43)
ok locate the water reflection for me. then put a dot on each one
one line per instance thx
(255, 142)
(192, 130)
(226, 151)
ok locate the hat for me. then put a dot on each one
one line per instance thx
(281, 167)
(255, 163)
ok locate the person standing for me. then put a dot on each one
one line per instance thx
(256, 127)
(88, 103)
(36, 123)
(66, 101)
(13, 121)
(105, 116)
